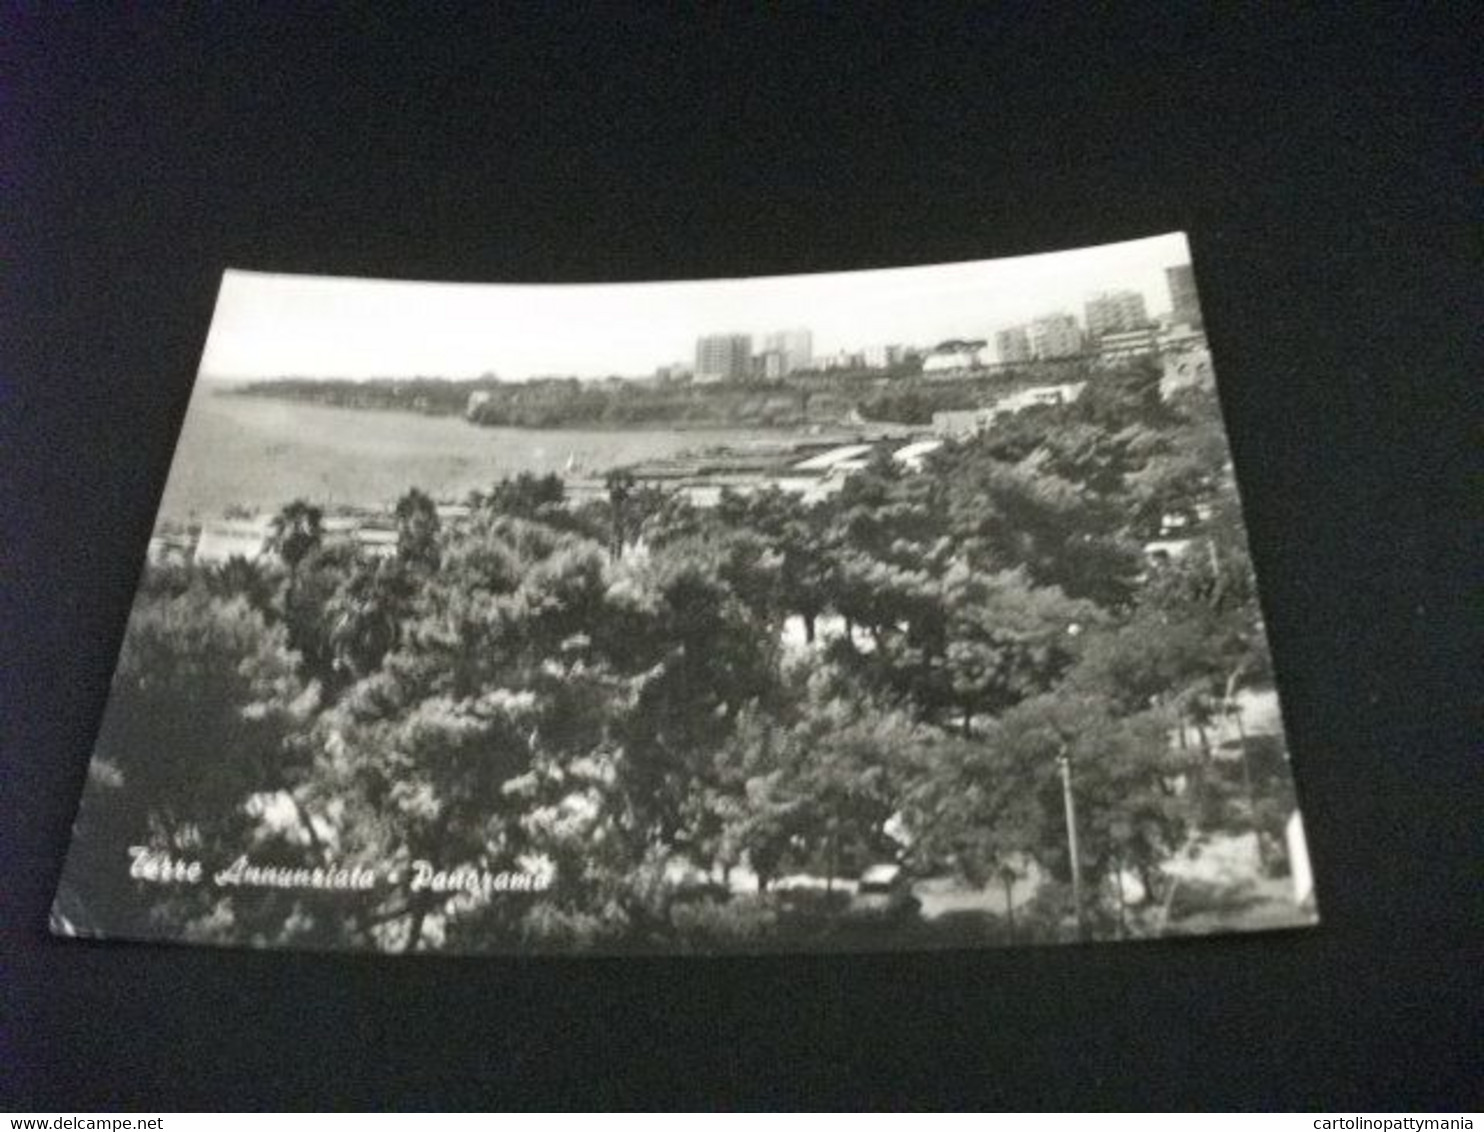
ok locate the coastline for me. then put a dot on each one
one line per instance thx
(585, 424)
(255, 453)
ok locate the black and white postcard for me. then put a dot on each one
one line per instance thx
(892, 609)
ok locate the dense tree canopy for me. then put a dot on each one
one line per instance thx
(601, 695)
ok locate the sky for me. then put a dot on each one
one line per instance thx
(269, 325)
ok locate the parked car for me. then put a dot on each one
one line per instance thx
(884, 892)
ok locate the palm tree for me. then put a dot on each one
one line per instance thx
(365, 617)
(417, 530)
(621, 486)
(297, 532)
(238, 576)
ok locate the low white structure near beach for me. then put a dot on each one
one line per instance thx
(225, 539)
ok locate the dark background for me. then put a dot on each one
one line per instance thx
(1327, 171)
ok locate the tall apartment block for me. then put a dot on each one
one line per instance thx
(793, 350)
(1114, 312)
(1056, 336)
(1185, 306)
(724, 357)
(1012, 344)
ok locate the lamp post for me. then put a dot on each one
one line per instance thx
(1064, 764)
(1007, 878)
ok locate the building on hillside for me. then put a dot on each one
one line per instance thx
(1181, 336)
(1037, 396)
(960, 423)
(1056, 336)
(1123, 344)
(792, 349)
(723, 357)
(840, 360)
(1115, 312)
(1012, 345)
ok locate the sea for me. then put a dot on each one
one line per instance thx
(257, 453)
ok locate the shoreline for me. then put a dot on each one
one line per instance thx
(579, 424)
(254, 453)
